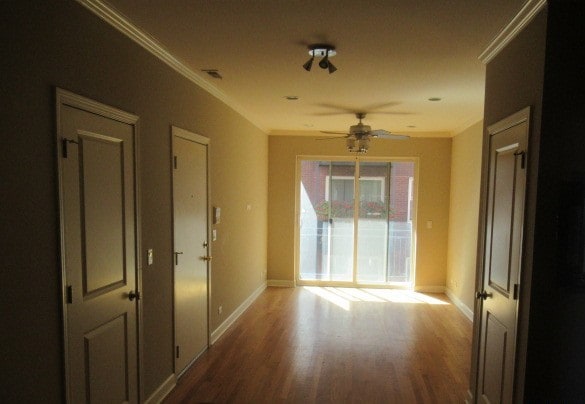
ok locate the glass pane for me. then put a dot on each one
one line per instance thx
(341, 221)
(326, 220)
(385, 222)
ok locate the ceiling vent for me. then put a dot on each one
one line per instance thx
(214, 73)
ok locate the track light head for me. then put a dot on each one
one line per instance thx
(324, 63)
(332, 68)
(307, 66)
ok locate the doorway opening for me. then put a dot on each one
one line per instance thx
(356, 221)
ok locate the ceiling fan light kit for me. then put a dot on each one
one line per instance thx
(323, 51)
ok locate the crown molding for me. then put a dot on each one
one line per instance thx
(530, 9)
(117, 20)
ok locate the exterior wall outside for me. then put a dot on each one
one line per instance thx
(56, 43)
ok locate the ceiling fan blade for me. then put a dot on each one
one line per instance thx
(338, 108)
(328, 113)
(334, 132)
(391, 113)
(384, 134)
(369, 113)
(373, 107)
(331, 138)
(394, 137)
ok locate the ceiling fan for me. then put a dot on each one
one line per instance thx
(358, 138)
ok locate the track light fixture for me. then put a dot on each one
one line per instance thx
(307, 66)
(324, 51)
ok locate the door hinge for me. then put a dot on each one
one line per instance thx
(69, 294)
(516, 291)
(177, 351)
(522, 155)
(175, 164)
(64, 143)
(177, 253)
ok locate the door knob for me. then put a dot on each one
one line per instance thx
(207, 258)
(133, 295)
(483, 295)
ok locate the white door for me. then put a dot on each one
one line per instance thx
(190, 211)
(502, 257)
(99, 244)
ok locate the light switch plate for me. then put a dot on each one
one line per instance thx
(214, 235)
(150, 256)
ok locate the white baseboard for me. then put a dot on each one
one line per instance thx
(223, 327)
(281, 284)
(162, 391)
(429, 289)
(467, 312)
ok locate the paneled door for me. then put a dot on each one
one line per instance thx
(191, 247)
(96, 146)
(502, 257)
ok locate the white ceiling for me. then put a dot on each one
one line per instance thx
(393, 55)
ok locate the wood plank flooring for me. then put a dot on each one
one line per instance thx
(336, 345)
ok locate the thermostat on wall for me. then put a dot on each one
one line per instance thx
(216, 214)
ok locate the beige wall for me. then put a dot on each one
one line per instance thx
(463, 217)
(239, 177)
(433, 199)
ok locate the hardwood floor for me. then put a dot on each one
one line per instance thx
(336, 345)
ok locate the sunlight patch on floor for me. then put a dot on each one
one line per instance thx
(329, 296)
(343, 297)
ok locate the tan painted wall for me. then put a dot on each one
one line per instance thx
(239, 176)
(464, 211)
(433, 197)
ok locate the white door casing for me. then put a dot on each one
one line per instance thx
(502, 259)
(191, 247)
(99, 244)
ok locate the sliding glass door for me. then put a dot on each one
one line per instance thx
(327, 217)
(366, 240)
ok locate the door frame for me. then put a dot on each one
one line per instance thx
(523, 115)
(297, 243)
(193, 137)
(67, 98)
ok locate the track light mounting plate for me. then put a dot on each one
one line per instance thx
(322, 50)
